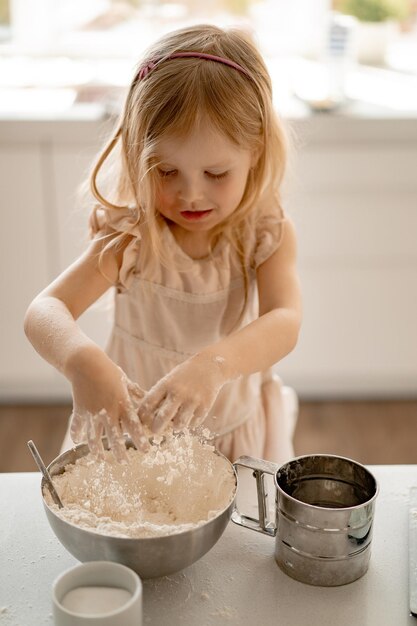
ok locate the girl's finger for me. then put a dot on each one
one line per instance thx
(200, 415)
(184, 416)
(115, 437)
(165, 412)
(136, 394)
(152, 400)
(78, 430)
(94, 434)
(134, 428)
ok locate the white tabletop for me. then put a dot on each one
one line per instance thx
(237, 582)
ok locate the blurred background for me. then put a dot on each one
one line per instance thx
(345, 83)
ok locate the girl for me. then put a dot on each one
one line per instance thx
(192, 235)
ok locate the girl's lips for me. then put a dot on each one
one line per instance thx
(195, 215)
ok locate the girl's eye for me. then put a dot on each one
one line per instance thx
(165, 173)
(216, 176)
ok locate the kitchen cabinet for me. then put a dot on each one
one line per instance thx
(355, 207)
(44, 230)
(26, 258)
(352, 193)
(70, 167)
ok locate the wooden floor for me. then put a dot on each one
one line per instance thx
(369, 432)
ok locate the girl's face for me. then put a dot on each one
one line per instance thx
(203, 178)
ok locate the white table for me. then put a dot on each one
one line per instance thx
(236, 583)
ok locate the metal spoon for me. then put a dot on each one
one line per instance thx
(45, 473)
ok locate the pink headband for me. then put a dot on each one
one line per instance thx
(148, 67)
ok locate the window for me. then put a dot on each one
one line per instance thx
(86, 50)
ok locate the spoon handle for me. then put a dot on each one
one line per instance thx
(45, 473)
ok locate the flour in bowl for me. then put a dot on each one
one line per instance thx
(180, 483)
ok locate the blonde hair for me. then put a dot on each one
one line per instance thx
(171, 100)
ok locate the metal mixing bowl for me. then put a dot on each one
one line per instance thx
(150, 557)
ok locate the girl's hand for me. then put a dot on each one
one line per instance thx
(106, 402)
(185, 395)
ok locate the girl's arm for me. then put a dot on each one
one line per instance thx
(50, 319)
(274, 334)
(187, 393)
(97, 383)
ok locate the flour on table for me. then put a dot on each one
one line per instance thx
(178, 484)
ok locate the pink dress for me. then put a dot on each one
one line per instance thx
(165, 314)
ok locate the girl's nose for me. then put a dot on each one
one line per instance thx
(190, 191)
